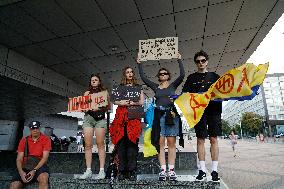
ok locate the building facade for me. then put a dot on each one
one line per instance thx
(233, 110)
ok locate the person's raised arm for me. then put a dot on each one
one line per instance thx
(178, 80)
(148, 82)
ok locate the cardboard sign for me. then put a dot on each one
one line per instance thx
(89, 102)
(159, 48)
(120, 92)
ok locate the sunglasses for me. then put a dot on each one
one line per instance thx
(34, 128)
(162, 74)
(200, 61)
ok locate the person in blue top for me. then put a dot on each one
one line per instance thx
(166, 118)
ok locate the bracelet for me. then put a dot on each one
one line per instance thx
(34, 170)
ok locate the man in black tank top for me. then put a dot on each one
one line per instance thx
(210, 123)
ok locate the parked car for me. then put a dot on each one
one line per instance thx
(280, 135)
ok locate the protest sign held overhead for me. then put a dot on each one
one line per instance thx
(159, 48)
(88, 102)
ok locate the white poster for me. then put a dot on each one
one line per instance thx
(159, 48)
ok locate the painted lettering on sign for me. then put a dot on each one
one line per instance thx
(79, 103)
(244, 79)
(225, 84)
(120, 92)
(88, 102)
(194, 104)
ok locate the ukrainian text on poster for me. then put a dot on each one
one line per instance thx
(88, 102)
(159, 48)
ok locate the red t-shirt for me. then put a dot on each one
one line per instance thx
(36, 148)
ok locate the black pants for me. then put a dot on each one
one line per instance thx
(127, 154)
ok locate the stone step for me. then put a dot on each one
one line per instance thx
(145, 181)
(64, 162)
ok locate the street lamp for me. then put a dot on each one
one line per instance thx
(241, 129)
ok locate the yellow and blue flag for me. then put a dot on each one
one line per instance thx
(240, 83)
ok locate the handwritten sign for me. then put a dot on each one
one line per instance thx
(159, 48)
(120, 92)
(91, 101)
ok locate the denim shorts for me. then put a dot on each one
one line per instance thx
(169, 130)
(89, 121)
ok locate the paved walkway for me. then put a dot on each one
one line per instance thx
(257, 166)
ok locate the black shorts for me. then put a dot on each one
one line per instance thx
(17, 177)
(209, 125)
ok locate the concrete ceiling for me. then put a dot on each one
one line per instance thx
(75, 38)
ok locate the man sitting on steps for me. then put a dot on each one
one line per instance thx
(33, 152)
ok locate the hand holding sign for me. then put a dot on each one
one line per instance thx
(138, 59)
(88, 102)
(159, 48)
(178, 56)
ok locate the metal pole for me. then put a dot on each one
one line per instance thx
(107, 131)
(241, 129)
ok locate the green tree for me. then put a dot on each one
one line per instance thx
(251, 123)
(237, 129)
(226, 129)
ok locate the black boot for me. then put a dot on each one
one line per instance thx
(122, 175)
(132, 175)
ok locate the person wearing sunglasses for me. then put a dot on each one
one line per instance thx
(33, 152)
(210, 123)
(166, 118)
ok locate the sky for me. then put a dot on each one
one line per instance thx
(271, 49)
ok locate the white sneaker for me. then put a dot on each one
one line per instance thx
(102, 174)
(87, 175)
(172, 175)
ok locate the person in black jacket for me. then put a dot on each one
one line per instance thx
(210, 123)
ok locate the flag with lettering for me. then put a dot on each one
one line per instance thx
(237, 84)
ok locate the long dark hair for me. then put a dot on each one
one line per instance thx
(124, 79)
(100, 86)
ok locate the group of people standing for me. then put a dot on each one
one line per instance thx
(125, 132)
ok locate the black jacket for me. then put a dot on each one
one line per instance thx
(201, 82)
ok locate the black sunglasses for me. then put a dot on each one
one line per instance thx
(200, 61)
(34, 128)
(162, 74)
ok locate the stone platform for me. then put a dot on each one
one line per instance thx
(65, 167)
(145, 181)
(74, 163)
